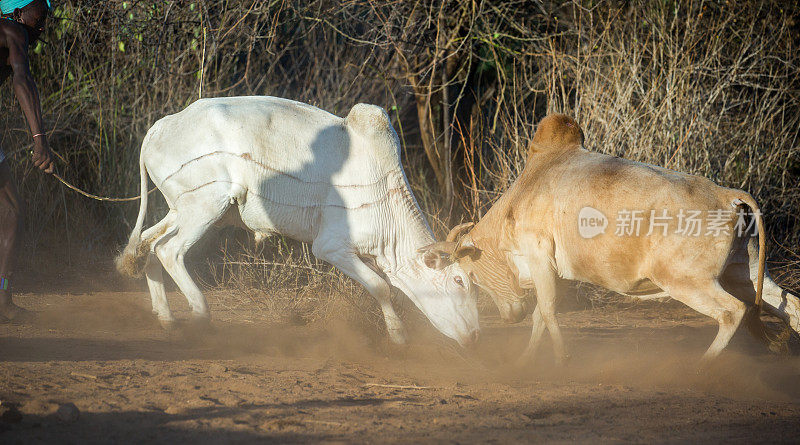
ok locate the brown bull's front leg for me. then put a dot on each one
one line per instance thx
(545, 281)
(537, 331)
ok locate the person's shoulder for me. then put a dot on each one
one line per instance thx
(12, 32)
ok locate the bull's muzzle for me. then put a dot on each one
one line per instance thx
(471, 342)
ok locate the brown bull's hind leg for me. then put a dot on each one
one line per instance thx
(709, 298)
(739, 280)
(10, 224)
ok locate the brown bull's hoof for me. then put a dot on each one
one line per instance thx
(523, 362)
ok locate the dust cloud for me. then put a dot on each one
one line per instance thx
(634, 373)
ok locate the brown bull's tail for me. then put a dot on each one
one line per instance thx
(741, 197)
(777, 342)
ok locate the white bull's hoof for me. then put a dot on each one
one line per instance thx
(197, 329)
(200, 323)
(168, 324)
(398, 335)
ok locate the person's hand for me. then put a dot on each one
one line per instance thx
(42, 156)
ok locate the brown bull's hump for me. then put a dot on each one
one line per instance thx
(557, 131)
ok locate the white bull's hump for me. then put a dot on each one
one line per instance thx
(369, 119)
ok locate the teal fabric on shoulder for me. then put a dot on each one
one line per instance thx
(8, 6)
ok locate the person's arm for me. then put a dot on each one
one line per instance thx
(27, 95)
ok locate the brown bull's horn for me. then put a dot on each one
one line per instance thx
(455, 232)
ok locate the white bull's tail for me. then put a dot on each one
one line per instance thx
(133, 259)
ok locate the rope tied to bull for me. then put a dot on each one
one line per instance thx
(245, 156)
(96, 197)
(85, 193)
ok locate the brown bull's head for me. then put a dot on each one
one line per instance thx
(485, 265)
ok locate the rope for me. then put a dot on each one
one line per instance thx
(99, 198)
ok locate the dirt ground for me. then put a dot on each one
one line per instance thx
(633, 377)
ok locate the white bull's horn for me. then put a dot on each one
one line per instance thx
(446, 247)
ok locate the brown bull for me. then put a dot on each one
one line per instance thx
(676, 235)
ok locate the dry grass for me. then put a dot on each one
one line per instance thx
(281, 281)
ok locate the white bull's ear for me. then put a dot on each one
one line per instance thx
(437, 255)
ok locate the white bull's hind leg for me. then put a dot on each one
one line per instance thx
(352, 266)
(781, 303)
(196, 213)
(154, 271)
(158, 295)
(778, 301)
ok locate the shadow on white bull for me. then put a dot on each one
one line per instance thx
(276, 166)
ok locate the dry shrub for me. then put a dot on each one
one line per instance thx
(703, 87)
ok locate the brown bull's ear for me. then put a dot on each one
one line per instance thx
(467, 248)
(457, 231)
(437, 255)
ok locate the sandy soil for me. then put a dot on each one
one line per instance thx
(632, 378)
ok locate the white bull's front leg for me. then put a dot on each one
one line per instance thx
(346, 260)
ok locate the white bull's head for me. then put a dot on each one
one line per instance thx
(444, 293)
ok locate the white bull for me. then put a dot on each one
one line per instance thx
(277, 166)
